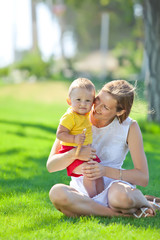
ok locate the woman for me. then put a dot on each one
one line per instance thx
(114, 134)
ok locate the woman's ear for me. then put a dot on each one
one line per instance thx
(68, 101)
(120, 113)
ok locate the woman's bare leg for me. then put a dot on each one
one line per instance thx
(72, 204)
(123, 198)
(151, 198)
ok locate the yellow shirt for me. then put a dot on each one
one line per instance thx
(76, 123)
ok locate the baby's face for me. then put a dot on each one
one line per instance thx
(81, 100)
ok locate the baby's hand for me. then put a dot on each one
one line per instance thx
(79, 138)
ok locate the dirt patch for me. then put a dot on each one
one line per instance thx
(97, 62)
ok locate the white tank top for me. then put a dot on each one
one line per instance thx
(110, 142)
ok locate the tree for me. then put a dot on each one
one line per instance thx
(152, 46)
(34, 26)
(87, 22)
(124, 9)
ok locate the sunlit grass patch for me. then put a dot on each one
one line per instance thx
(27, 132)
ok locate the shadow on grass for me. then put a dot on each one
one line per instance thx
(39, 126)
(150, 222)
(19, 178)
(25, 135)
(9, 152)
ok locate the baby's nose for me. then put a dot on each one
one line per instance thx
(83, 103)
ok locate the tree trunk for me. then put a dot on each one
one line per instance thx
(152, 46)
(34, 27)
(59, 10)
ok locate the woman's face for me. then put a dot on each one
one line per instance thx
(104, 107)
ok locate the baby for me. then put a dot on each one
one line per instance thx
(71, 129)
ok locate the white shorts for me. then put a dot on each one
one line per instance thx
(102, 198)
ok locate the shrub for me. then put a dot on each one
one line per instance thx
(4, 71)
(33, 63)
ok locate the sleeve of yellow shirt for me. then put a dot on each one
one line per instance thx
(67, 120)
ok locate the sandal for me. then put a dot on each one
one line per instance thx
(143, 211)
(156, 204)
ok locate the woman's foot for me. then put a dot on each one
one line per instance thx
(151, 198)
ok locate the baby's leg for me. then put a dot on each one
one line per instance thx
(93, 187)
(99, 185)
(78, 169)
(89, 185)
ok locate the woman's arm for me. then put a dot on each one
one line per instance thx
(57, 162)
(138, 176)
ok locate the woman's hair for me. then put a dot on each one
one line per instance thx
(81, 83)
(123, 93)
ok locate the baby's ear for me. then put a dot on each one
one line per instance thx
(68, 101)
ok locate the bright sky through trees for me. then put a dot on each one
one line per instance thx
(15, 30)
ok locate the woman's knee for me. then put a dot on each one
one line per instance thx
(120, 197)
(58, 195)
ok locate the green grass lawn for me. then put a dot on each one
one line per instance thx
(29, 115)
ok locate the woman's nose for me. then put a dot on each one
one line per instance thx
(98, 107)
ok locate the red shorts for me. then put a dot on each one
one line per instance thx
(76, 162)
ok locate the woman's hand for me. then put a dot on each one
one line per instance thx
(93, 170)
(87, 153)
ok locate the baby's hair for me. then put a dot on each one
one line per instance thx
(81, 83)
(124, 94)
